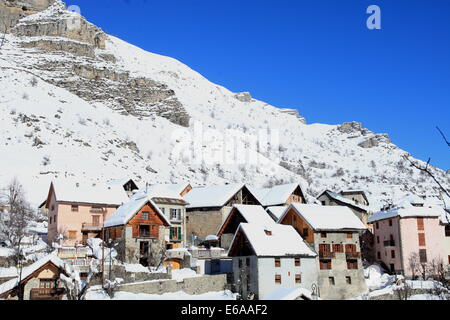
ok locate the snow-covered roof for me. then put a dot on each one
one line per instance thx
(276, 195)
(26, 271)
(178, 188)
(338, 197)
(253, 214)
(125, 212)
(211, 196)
(276, 211)
(327, 217)
(410, 211)
(284, 293)
(121, 181)
(168, 191)
(68, 191)
(274, 240)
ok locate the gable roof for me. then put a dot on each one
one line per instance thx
(29, 270)
(211, 196)
(285, 293)
(276, 211)
(253, 214)
(128, 210)
(361, 192)
(167, 191)
(71, 191)
(327, 217)
(409, 211)
(276, 195)
(344, 201)
(284, 240)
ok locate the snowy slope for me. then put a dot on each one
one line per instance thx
(49, 128)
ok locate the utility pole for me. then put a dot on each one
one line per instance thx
(103, 257)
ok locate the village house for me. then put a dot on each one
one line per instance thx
(409, 236)
(266, 259)
(241, 213)
(138, 227)
(40, 281)
(168, 198)
(333, 232)
(76, 212)
(209, 206)
(279, 195)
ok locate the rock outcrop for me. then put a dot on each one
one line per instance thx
(13, 10)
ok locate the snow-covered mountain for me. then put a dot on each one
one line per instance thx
(75, 102)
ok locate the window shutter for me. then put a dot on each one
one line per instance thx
(179, 233)
(171, 233)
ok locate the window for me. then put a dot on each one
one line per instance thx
(349, 235)
(421, 239)
(348, 280)
(163, 210)
(277, 279)
(352, 264)
(247, 262)
(53, 207)
(97, 209)
(323, 234)
(423, 255)
(331, 280)
(393, 254)
(175, 233)
(72, 235)
(449, 259)
(240, 263)
(378, 255)
(420, 225)
(297, 262)
(337, 247)
(144, 231)
(378, 239)
(324, 203)
(377, 226)
(277, 262)
(145, 215)
(390, 222)
(54, 219)
(325, 264)
(447, 230)
(74, 208)
(298, 278)
(46, 283)
(392, 267)
(50, 221)
(175, 214)
(305, 232)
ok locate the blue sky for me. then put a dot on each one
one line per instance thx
(313, 55)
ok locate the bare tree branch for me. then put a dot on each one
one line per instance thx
(443, 136)
(427, 170)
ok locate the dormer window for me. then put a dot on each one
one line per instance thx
(268, 232)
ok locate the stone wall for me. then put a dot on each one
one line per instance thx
(194, 286)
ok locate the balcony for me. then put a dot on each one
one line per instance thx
(91, 227)
(46, 293)
(352, 255)
(327, 255)
(389, 243)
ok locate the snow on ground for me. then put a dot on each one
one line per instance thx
(98, 294)
(426, 297)
(181, 274)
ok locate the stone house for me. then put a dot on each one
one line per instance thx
(40, 281)
(139, 228)
(76, 212)
(209, 206)
(358, 203)
(266, 259)
(241, 213)
(407, 231)
(333, 232)
(279, 195)
(169, 200)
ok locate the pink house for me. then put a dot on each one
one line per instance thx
(76, 212)
(401, 232)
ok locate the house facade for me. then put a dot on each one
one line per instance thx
(77, 212)
(40, 281)
(139, 228)
(333, 232)
(241, 213)
(266, 259)
(408, 237)
(208, 207)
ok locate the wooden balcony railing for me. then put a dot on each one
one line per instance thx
(352, 255)
(324, 254)
(46, 293)
(91, 226)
